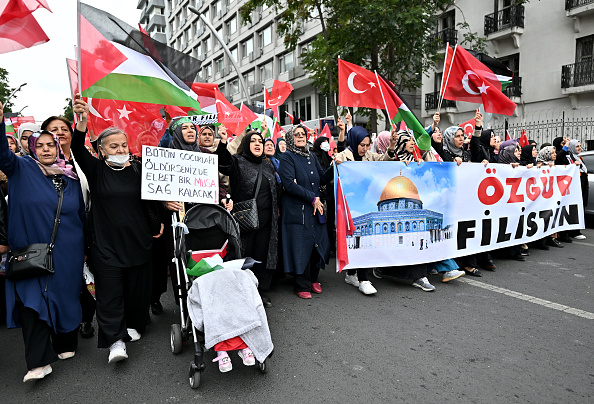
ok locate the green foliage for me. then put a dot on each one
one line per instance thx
(67, 113)
(5, 91)
(472, 40)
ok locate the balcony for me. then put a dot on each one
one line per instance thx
(577, 9)
(441, 38)
(432, 100)
(578, 77)
(514, 89)
(506, 23)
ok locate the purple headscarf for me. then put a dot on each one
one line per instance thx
(60, 166)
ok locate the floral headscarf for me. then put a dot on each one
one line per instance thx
(290, 140)
(59, 166)
(545, 155)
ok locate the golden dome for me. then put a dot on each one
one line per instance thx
(400, 187)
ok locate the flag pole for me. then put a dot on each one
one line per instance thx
(383, 98)
(443, 87)
(79, 72)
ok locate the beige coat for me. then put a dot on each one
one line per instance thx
(347, 155)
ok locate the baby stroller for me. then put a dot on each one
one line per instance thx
(205, 227)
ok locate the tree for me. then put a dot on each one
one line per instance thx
(68, 114)
(5, 91)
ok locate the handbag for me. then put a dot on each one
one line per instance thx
(35, 259)
(246, 212)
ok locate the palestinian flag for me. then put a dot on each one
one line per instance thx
(116, 64)
(205, 261)
(503, 74)
(9, 127)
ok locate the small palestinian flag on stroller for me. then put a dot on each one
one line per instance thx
(205, 261)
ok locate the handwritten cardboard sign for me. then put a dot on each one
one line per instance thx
(179, 175)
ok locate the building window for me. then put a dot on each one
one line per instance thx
(219, 65)
(285, 62)
(207, 71)
(216, 8)
(234, 54)
(207, 45)
(247, 47)
(222, 88)
(220, 35)
(584, 49)
(232, 26)
(303, 108)
(266, 72)
(265, 36)
(250, 78)
(234, 86)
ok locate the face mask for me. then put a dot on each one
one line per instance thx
(325, 147)
(118, 159)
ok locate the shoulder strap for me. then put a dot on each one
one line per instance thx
(259, 181)
(57, 219)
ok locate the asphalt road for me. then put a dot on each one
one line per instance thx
(522, 334)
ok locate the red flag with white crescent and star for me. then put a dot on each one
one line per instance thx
(278, 95)
(468, 127)
(471, 81)
(357, 87)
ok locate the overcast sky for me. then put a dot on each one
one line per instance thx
(43, 67)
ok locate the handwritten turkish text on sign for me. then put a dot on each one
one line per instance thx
(179, 175)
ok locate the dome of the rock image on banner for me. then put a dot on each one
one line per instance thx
(400, 220)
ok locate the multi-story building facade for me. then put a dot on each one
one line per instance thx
(549, 46)
(153, 19)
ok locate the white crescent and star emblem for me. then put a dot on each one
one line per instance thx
(482, 89)
(467, 125)
(274, 104)
(93, 111)
(352, 86)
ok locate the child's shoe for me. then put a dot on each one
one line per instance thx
(247, 356)
(225, 364)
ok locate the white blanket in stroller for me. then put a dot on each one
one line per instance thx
(224, 304)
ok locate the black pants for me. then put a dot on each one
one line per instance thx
(87, 303)
(123, 299)
(473, 261)
(42, 346)
(361, 273)
(161, 259)
(310, 275)
(255, 244)
(407, 271)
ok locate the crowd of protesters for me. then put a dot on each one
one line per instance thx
(126, 242)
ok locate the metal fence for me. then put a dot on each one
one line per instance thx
(544, 126)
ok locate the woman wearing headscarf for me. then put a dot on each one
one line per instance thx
(528, 156)
(281, 147)
(482, 146)
(437, 143)
(47, 308)
(270, 151)
(123, 228)
(243, 170)
(563, 158)
(13, 145)
(321, 148)
(359, 142)
(453, 143)
(405, 147)
(24, 131)
(206, 138)
(382, 142)
(305, 240)
(510, 155)
(575, 148)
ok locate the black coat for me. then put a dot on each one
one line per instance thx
(242, 178)
(301, 230)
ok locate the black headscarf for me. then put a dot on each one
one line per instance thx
(526, 157)
(557, 144)
(486, 138)
(178, 142)
(278, 153)
(245, 148)
(322, 156)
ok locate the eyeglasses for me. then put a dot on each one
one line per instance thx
(299, 134)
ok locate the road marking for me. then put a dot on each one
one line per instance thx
(531, 299)
(580, 243)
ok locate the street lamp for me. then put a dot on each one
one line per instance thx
(19, 113)
(14, 91)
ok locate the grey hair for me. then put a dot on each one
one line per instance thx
(106, 133)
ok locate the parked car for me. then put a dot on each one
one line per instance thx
(588, 158)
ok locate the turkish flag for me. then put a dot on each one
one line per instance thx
(206, 93)
(140, 121)
(471, 81)
(468, 127)
(344, 227)
(326, 132)
(290, 117)
(19, 120)
(18, 28)
(357, 87)
(235, 120)
(278, 95)
(523, 138)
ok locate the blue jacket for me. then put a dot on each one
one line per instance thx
(301, 230)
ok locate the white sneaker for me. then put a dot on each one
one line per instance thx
(352, 280)
(65, 355)
(580, 237)
(367, 288)
(135, 335)
(117, 352)
(451, 275)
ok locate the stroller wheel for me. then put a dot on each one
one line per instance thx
(263, 366)
(176, 339)
(194, 377)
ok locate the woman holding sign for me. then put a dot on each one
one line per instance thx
(122, 231)
(252, 176)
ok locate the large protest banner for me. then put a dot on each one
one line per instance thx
(432, 211)
(179, 175)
